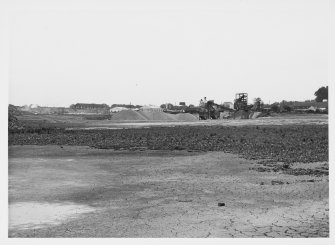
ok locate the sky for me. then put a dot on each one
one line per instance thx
(154, 52)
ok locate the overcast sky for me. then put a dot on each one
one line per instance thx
(152, 52)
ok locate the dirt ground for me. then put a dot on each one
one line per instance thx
(75, 121)
(159, 194)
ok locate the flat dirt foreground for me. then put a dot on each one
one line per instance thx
(73, 191)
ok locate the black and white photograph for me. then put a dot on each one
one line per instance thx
(166, 119)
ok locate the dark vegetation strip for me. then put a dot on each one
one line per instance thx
(287, 144)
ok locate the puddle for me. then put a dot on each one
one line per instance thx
(34, 215)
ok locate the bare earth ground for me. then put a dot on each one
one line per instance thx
(79, 122)
(159, 194)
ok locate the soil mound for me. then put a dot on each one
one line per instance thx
(241, 115)
(187, 117)
(128, 115)
(157, 116)
(13, 122)
(254, 115)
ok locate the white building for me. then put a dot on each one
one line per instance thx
(151, 108)
(117, 109)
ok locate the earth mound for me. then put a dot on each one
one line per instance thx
(187, 117)
(128, 115)
(157, 116)
(241, 115)
(254, 115)
(13, 122)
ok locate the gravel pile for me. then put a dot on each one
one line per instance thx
(187, 117)
(157, 116)
(129, 115)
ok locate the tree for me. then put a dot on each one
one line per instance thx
(286, 107)
(168, 106)
(258, 104)
(321, 94)
(275, 107)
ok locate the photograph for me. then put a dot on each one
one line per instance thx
(167, 119)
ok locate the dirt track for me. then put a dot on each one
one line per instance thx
(72, 121)
(164, 194)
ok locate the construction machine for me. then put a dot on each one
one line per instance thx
(241, 102)
(206, 110)
(213, 110)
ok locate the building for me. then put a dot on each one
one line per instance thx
(83, 106)
(306, 105)
(118, 109)
(151, 108)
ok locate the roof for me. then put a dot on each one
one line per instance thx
(115, 109)
(150, 107)
(309, 103)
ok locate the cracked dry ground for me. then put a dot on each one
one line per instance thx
(166, 194)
